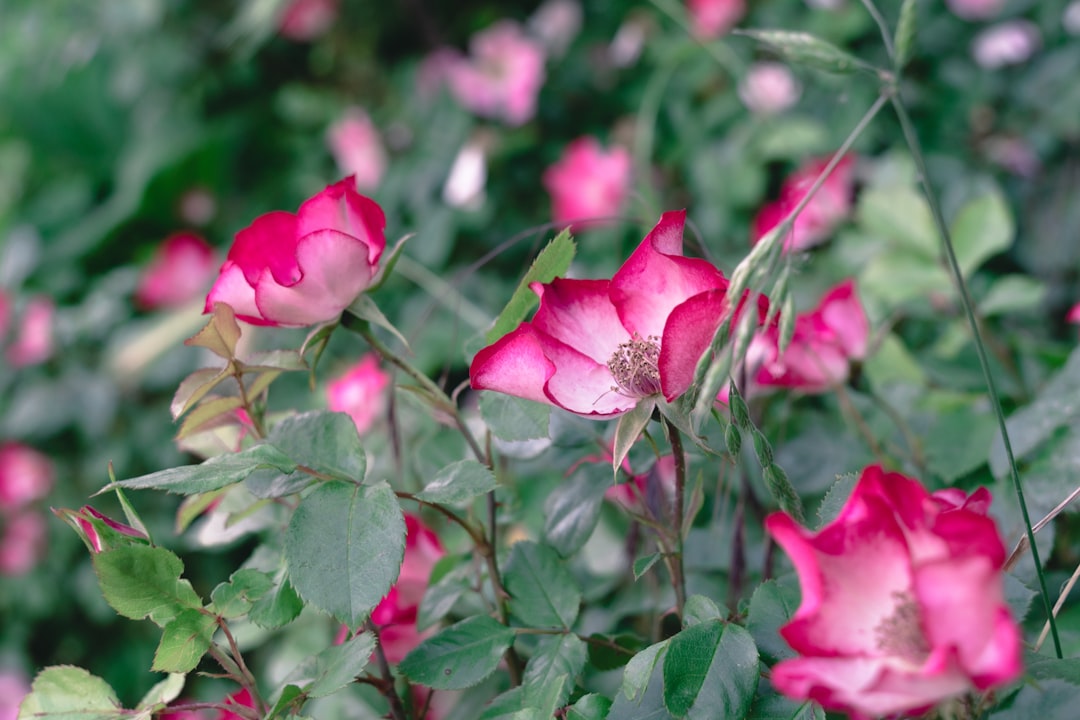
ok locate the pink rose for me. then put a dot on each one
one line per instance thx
(22, 542)
(829, 206)
(241, 698)
(587, 182)
(713, 18)
(180, 270)
(305, 20)
(360, 392)
(357, 148)
(100, 532)
(14, 686)
(902, 601)
(303, 269)
(650, 493)
(769, 88)
(975, 9)
(25, 476)
(502, 78)
(824, 343)
(597, 347)
(33, 341)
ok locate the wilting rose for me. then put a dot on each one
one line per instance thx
(825, 342)
(769, 88)
(360, 392)
(597, 347)
(305, 20)
(588, 182)
(181, 269)
(902, 601)
(25, 476)
(502, 78)
(829, 206)
(357, 148)
(22, 542)
(713, 18)
(33, 341)
(306, 268)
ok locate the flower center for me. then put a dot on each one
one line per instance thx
(633, 365)
(901, 633)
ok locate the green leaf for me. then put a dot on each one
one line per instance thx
(513, 419)
(543, 593)
(700, 609)
(163, 693)
(554, 669)
(207, 411)
(279, 606)
(572, 510)
(589, 707)
(458, 483)
(640, 668)
(553, 261)
(900, 214)
(70, 693)
(268, 483)
(905, 33)
(983, 228)
(220, 335)
(234, 598)
(215, 473)
(442, 594)
(184, 640)
(777, 707)
(1012, 294)
(771, 606)
(344, 547)
(602, 656)
(710, 670)
(286, 360)
(1049, 699)
(337, 666)
(194, 388)
(366, 309)
(140, 581)
(459, 656)
(290, 701)
(836, 498)
(629, 429)
(326, 442)
(643, 564)
(805, 49)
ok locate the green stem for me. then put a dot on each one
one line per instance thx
(912, 139)
(675, 564)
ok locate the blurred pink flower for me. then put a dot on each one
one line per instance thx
(556, 23)
(181, 269)
(22, 542)
(830, 205)
(587, 182)
(360, 392)
(902, 601)
(1008, 43)
(503, 76)
(305, 20)
(357, 148)
(650, 493)
(713, 18)
(1074, 314)
(197, 206)
(306, 268)
(975, 9)
(33, 342)
(769, 88)
(5, 315)
(825, 342)
(26, 475)
(14, 686)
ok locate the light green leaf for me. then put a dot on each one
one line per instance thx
(208, 410)
(287, 360)
(337, 666)
(1012, 294)
(553, 670)
(235, 597)
(164, 692)
(213, 474)
(194, 388)
(459, 656)
(70, 693)
(700, 609)
(279, 606)
(805, 49)
(458, 483)
(900, 214)
(514, 419)
(140, 581)
(629, 429)
(640, 668)
(543, 593)
(983, 228)
(553, 261)
(366, 309)
(710, 670)
(836, 498)
(184, 640)
(344, 547)
(326, 442)
(589, 707)
(771, 606)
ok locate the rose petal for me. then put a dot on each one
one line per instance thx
(233, 289)
(579, 313)
(689, 330)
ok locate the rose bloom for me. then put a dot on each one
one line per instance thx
(305, 20)
(975, 9)
(1008, 43)
(713, 18)
(829, 206)
(306, 268)
(357, 148)
(597, 347)
(22, 542)
(25, 476)
(769, 88)
(825, 341)
(902, 601)
(33, 342)
(360, 392)
(502, 78)
(587, 181)
(180, 271)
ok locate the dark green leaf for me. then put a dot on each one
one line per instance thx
(604, 657)
(70, 693)
(710, 670)
(441, 596)
(269, 483)
(553, 261)
(589, 707)
(337, 666)
(279, 606)
(836, 498)
(323, 441)
(640, 668)
(648, 702)
(459, 656)
(700, 609)
(184, 640)
(777, 707)
(213, 474)
(458, 483)
(542, 592)
(344, 547)
(771, 606)
(289, 702)
(553, 670)
(1049, 699)
(572, 510)
(514, 419)
(642, 565)
(140, 581)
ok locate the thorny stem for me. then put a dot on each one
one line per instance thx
(675, 560)
(475, 535)
(223, 660)
(397, 710)
(256, 421)
(513, 662)
(249, 678)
